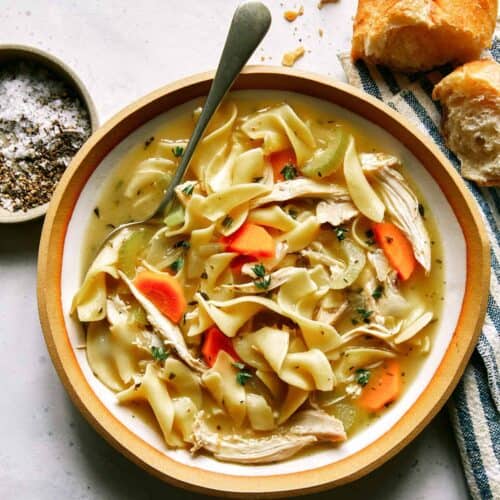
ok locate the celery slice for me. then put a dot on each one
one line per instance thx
(131, 249)
(326, 161)
(175, 216)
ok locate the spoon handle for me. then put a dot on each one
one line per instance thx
(248, 27)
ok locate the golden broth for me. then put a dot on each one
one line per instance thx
(114, 209)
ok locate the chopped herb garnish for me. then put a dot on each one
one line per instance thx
(182, 244)
(96, 211)
(289, 172)
(188, 189)
(377, 293)
(192, 302)
(263, 282)
(369, 233)
(354, 321)
(204, 275)
(159, 354)
(176, 265)
(204, 295)
(293, 213)
(365, 314)
(421, 209)
(362, 376)
(340, 232)
(147, 142)
(257, 179)
(177, 151)
(227, 221)
(243, 376)
(370, 237)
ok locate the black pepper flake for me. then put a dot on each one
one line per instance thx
(96, 212)
(147, 142)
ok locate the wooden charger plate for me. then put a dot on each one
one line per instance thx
(466, 257)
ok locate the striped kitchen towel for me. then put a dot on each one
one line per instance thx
(475, 405)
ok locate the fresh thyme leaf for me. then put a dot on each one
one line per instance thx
(421, 209)
(147, 142)
(159, 354)
(293, 213)
(96, 211)
(177, 151)
(364, 313)
(204, 295)
(227, 221)
(239, 366)
(263, 283)
(341, 232)
(289, 172)
(377, 293)
(204, 275)
(242, 377)
(177, 264)
(188, 189)
(362, 376)
(259, 270)
(182, 244)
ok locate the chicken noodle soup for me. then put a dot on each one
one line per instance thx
(285, 299)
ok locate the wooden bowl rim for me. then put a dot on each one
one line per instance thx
(11, 51)
(350, 468)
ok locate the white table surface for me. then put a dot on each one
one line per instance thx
(123, 49)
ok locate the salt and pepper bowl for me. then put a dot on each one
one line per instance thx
(10, 53)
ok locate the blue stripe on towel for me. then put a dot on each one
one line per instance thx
(389, 79)
(367, 81)
(494, 195)
(471, 446)
(487, 353)
(490, 414)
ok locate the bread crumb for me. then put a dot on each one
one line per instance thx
(324, 2)
(321, 32)
(290, 58)
(291, 15)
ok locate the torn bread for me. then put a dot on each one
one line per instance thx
(470, 97)
(417, 35)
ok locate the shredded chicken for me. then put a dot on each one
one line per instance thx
(400, 202)
(303, 429)
(165, 327)
(335, 213)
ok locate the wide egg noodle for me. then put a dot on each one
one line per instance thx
(280, 127)
(221, 382)
(90, 300)
(153, 390)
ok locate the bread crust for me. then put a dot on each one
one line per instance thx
(474, 79)
(471, 95)
(417, 35)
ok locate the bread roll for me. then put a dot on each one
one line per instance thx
(470, 97)
(417, 35)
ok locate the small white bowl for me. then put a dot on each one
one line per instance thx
(21, 52)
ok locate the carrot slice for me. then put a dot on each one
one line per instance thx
(164, 291)
(396, 247)
(383, 387)
(279, 160)
(250, 239)
(213, 342)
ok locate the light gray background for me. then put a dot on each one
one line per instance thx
(121, 50)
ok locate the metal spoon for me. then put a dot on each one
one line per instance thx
(250, 23)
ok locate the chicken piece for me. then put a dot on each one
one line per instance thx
(400, 202)
(335, 213)
(301, 188)
(305, 428)
(165, 327)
